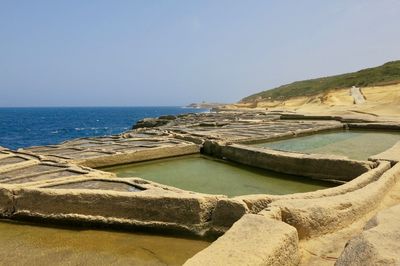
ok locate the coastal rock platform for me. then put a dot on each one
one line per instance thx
(65, 183)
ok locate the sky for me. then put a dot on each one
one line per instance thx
(172, 53)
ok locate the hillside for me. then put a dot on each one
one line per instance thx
(386, 74)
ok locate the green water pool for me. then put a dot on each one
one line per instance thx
(212, 176)
(355, 144)
(27, 244)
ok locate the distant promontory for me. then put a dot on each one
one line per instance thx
(205, 105)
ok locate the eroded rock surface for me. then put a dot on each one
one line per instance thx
(378, 244)
(59, 183)
(253, 240)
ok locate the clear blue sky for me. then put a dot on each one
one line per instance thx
(136, 53)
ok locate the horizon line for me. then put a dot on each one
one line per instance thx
(88, 106)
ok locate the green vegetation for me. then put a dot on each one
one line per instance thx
(386, 74)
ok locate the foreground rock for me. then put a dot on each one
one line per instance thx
(379, 244)
(253, 240)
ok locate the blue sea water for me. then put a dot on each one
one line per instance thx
(24, 127)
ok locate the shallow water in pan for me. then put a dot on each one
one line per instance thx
(27, 244)
(355, 144)
(208, 175)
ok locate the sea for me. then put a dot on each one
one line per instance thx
(25, 127)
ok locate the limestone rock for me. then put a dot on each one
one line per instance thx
(311, 165)
(318, 216)
(253, 240)
(228, 211)
(6, 202)
(167, 117)
(151, 122)
(379, 244)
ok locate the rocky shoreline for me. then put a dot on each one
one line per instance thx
(63, 183)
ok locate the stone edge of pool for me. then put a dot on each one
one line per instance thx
(244, 221)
